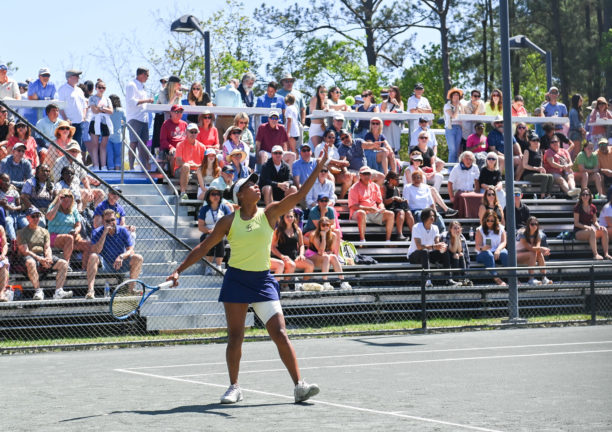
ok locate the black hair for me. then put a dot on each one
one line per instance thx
(49, 107)
(141, 71)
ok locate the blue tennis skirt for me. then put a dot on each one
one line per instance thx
(242, 286)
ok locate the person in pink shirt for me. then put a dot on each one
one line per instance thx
(208, 135)
(188, 157)
(558, 162)
(518, 107)
(22, 135)
(366, 204)
(477, 142)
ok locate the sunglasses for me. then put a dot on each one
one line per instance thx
(344, 138)
(322, 91)
(365, 173)
(323, 171)
(109, 220)
(324, 225)
(533, 224)
(101, 88)
(215, 194)
(517, 195)
(236, 132)
(521, 127)
(490, 193)
(305, 149)
(585, 194)
(490, 220)
(20, 126)
(45, 75)
(192, 132)
(177, 112)
(35, 216)
(64, 128)
(495, 95)
(243, 122)
(337, 91)
(67, 196)
(207, 117)
(278, 153)
(375, 123)
(423, 138)
(196, 88)
(476, 96)
(273, 118)
(20, 150)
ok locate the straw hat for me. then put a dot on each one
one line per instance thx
(454, 90)
(64, 123)
(242, 154)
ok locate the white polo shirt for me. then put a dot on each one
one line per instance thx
(75, 102)
(135, 91)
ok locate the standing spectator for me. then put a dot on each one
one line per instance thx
(208, 133)
(173, 131)
(490, 176)
(273, 101)
(47, 126)
(521, 211)
(475, 106)
(227, 96)
(276, 181)
(602, 112)
(491, 243)
(135, 97)
(287, 82)
(534, 171)
(323, 187)
(418, 104)
(22, 135)
(586, 168)
(394, 202)
(207, 172)
(39, 191)
(457, 249)
(16, 166)
(115, 139)
(453, 131)
(101, 126)
(604, 156)
(112, 249)
(269, 135)
(8, 86)
(518, 107)
(431, 138)
(554, 108)
(246, 89)
(321, 254)
(197, 97)
(41, 89)
(172, 94)
(558, 162)
(531, 252)
(65, 227)
(288, 247)
(393, 129)
(419, 197)
(490, 202)
(366, 205)
(369, 105)
(427, 248)
(75, 104)
(34, 247)
(586, 225)
(188, 158)
(293, 125)
(495, 106)
(317, 126)
(577, 132)
(463, 178)
(380, 156)
(10, 201)
(213, 209)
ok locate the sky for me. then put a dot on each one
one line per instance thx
(64, 35)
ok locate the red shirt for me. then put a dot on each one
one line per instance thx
(269, 137)
(190, 153)
(586, 218)
(31, 151)
(171, 134)
(209, 137)
(368, 196)
(561, 157)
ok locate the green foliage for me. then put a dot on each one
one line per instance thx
(533, 81)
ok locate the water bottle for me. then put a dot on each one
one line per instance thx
(471, 233)
(106, 290)
(9, 293)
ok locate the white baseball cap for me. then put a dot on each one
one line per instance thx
(236, 187)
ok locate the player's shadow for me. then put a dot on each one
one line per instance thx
(376, 342)
(213, 408)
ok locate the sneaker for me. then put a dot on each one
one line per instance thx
(546, 281)
(428, 284)
(90, 295)
(232, 395)
(467, 282)
(451, 212)
(61, 294)
(39, 295)
(452, 282)
(304, 391)
(184, 196)
(573, 193)
(327, 286)
(345, 286)
(534, 281)
(401, 237)
(299, 287)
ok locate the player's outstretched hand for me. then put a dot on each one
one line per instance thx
(174, 278)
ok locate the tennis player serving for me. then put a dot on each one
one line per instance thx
(248, 279)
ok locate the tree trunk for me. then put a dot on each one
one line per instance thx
(370, 49)
(485, 71)
(607, 24)
(515, 58)
(556, 13)
(445, 58)
(492, 48)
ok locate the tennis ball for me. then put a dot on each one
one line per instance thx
(350, 100)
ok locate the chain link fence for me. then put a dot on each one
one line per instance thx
(163, 234)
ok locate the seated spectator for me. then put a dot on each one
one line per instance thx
(558, 162)
(100, 127)
(35, 256)
(234, 141)
(7, 129)
(431, 138)
(39, 191)
(198, 97)
(531, 252)
(269, 135)
(457, 249)
(276, 181)
(17, 166)
(63, 136)
(397, 204)
(337, 167)
(320, 252)
(68, 181)
(521, 135)
(426, 247)
(173, 131)
(236, 159)
(576, 132)
(208, 133)
(273, 101)
(605, 216)
(188, 157)
(208, 171)
(380, 155)
(490, 202)
(462, 179)
(241, 120)
(601, 111)
(477, 142)
(352, 152)
(81, 179)
(366, 205)
(65, 227)
(115, 139)
(47, 126)
(303, 167)
(521, 211)
(323, 209)
(10, 201)
(225, 180)
(4, 265)
(604, 156)
(419, 197)
(518, 107)
(586, 169)
(431, 165)
(491, 243)
(550, 132)
(490, 175)
(322, 187)
(533, 170)
(213, 209)
(495, 141)
(22, 135)
(112, 203)
(586, 226)
(288, 248)
(416, 161)
(113, 250)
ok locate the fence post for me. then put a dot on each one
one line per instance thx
(423, 303)
(592, 295)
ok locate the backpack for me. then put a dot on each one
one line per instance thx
(348, 252)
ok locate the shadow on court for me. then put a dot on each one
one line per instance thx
(378, 343)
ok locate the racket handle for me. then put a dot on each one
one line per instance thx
(166, 284)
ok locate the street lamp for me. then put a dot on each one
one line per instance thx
(187, 24)
(522, 41)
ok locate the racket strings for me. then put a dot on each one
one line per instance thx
(126, 299)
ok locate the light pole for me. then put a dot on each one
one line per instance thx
(187, 24)
(522, 41)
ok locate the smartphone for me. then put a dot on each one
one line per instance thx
(488, 242)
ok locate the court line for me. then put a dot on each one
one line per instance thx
(402, 362)
(317, 401)
(386, 353)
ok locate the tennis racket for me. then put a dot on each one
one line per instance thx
(129, 296)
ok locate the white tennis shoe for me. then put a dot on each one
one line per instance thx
(232, 395)
(304, 391)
